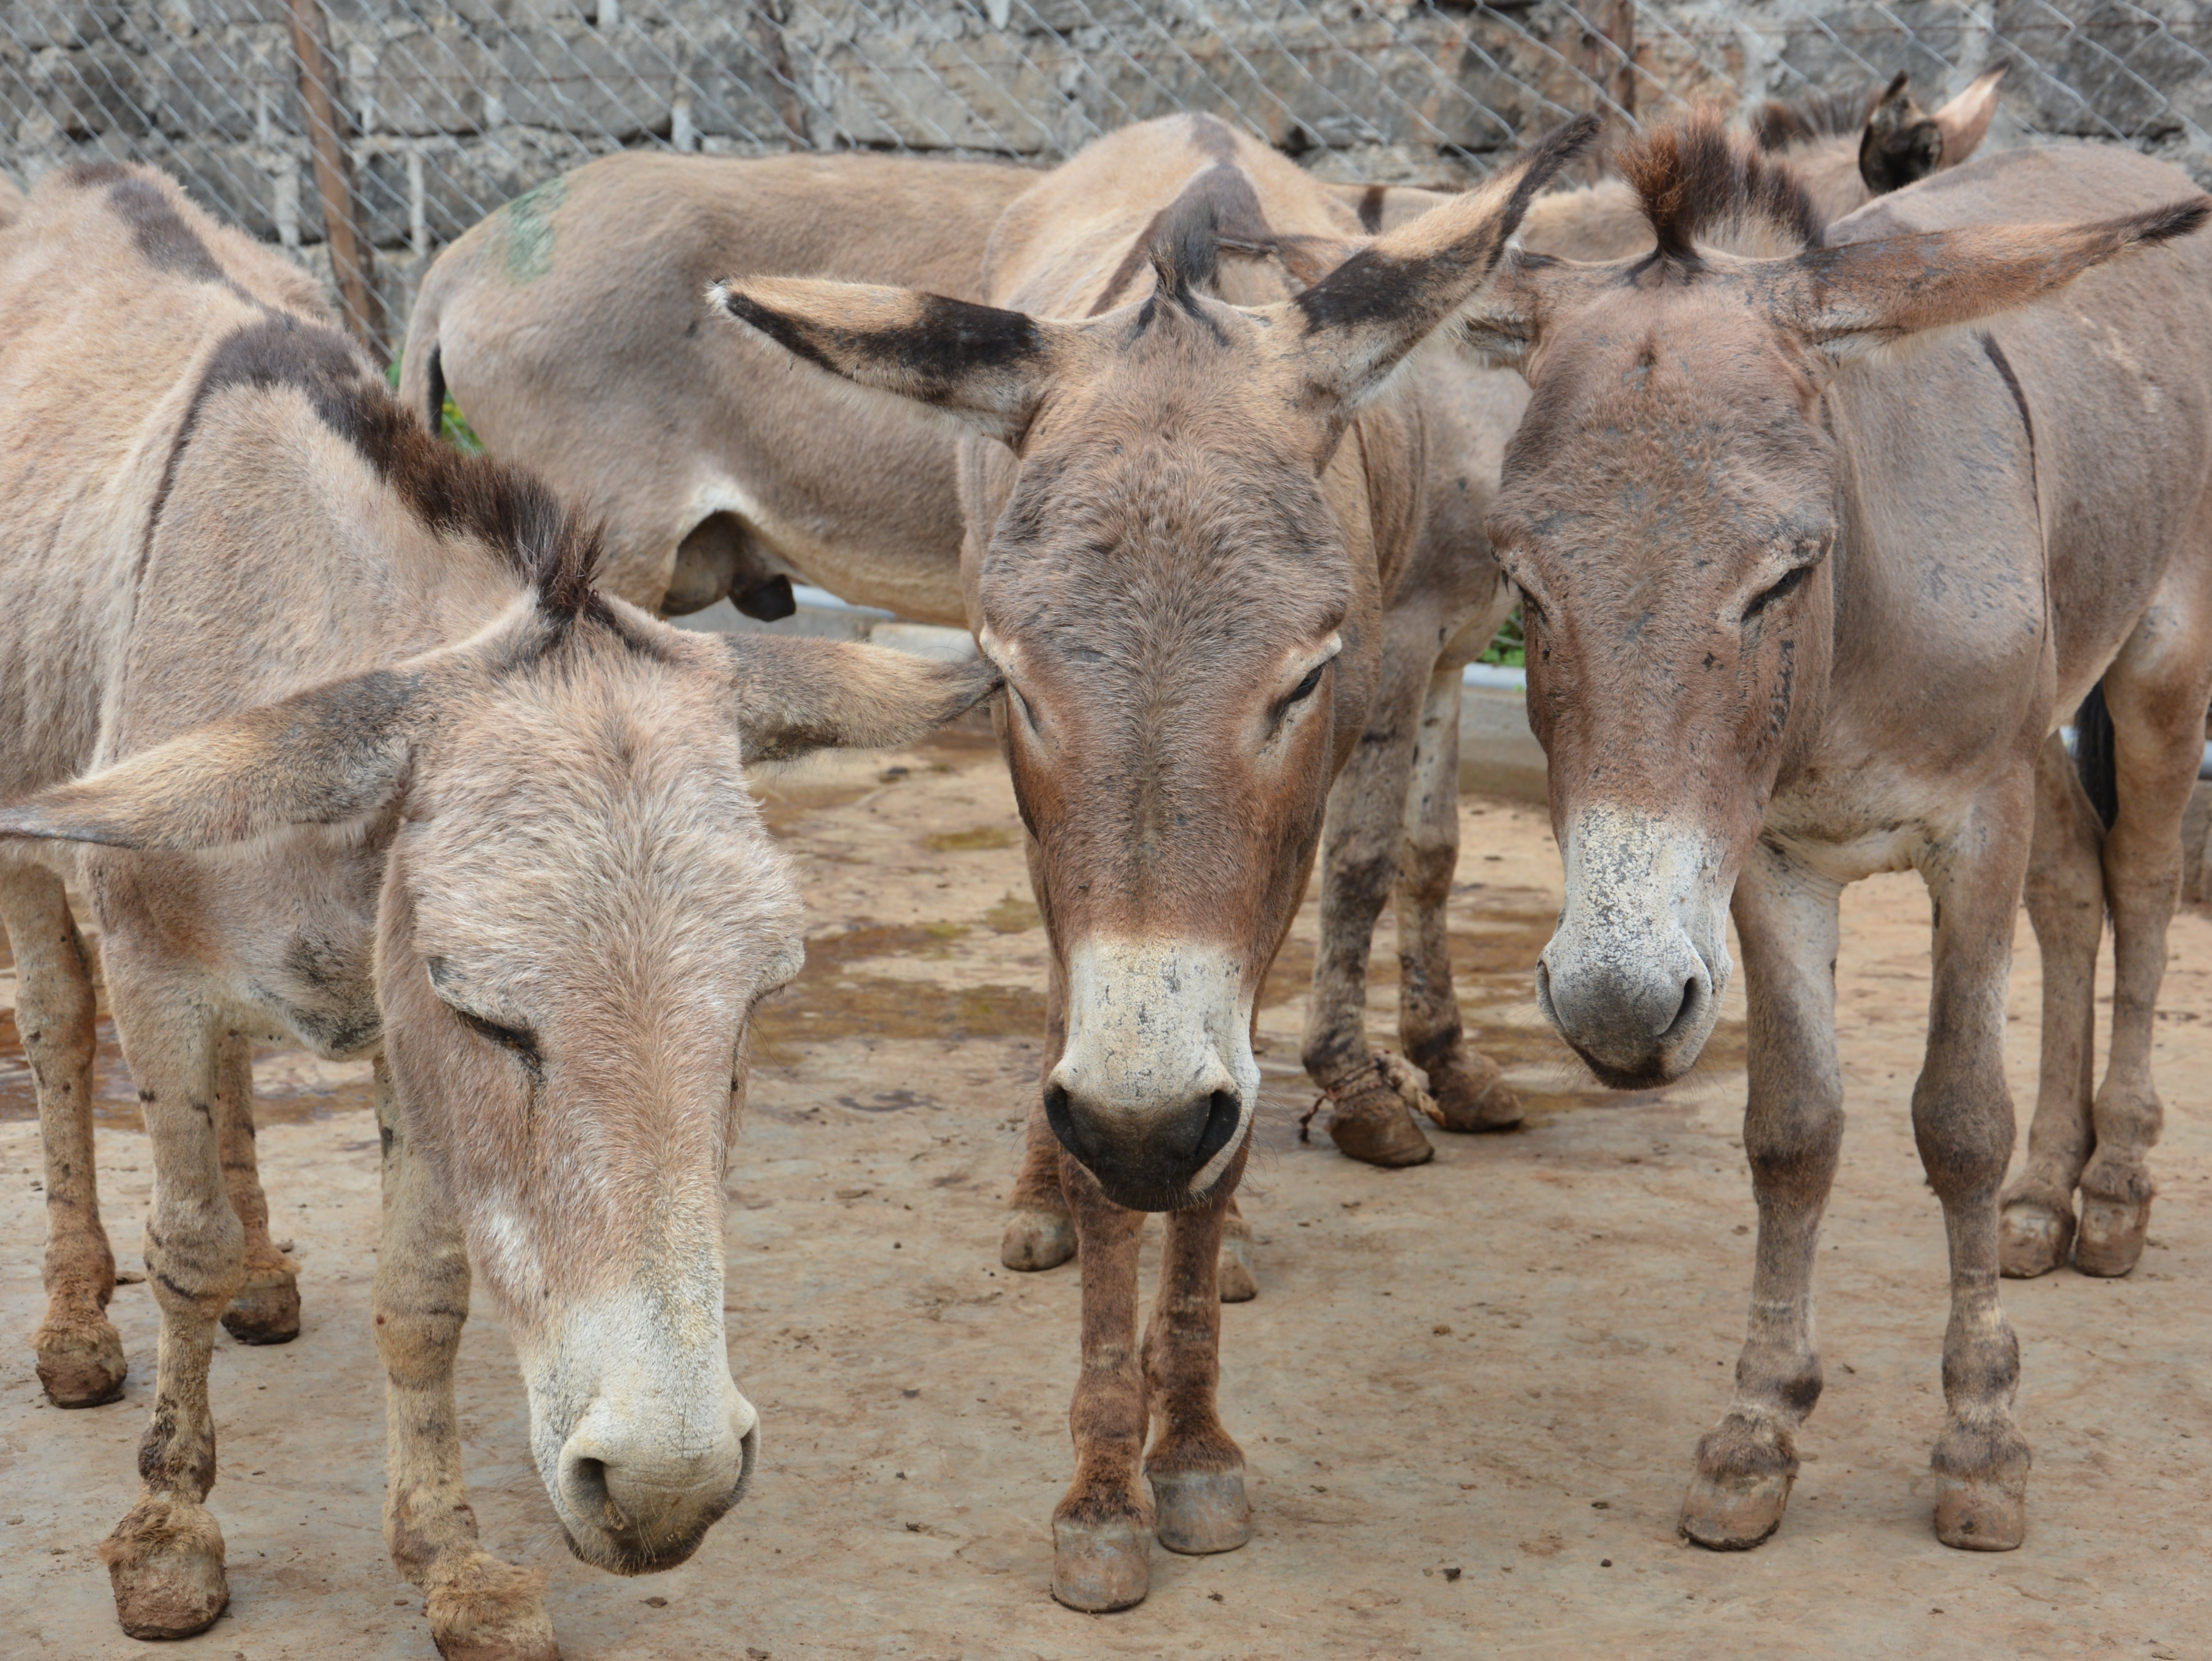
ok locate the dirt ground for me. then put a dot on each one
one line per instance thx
(1468, 1393)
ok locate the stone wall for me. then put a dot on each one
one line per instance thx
(454, 107)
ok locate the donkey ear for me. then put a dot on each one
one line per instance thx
(990, 367)
(1900, 144)
(331, 755)
(1859, 297)
(1966, 119)
(794, 695)
(1361, 320)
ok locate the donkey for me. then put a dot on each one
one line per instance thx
(1187, 501)
(377, 770)
(1801, 609)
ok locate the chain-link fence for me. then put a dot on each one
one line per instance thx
(363, 135)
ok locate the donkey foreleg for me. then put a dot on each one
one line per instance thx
(267, 1308)
(1101, 1531)
(80, 1353)
(165, 1559)
(479, 1607)
(1962, 1119)
(1373, 1105)
(2066, 905)
(1470, 1090)
(1793, 1129)
(1196, 1469)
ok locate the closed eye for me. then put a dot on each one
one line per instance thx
(1781, 590)
(520, 1039)
(1305, 689)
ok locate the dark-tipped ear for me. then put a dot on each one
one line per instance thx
(1900, 144)
(1859, 297)
(331, 755)
(1966, 119)
(793, 695)
(1361, 320)
(988, 366)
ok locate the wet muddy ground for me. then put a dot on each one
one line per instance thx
(1468, 1393)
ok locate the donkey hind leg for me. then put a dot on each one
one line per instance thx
(1040, 1234)
(2066, 905)
(1470, 1090)
(481, 1608)
(80, 1353)
(1373, 1101)
(2156, 691)
(267, 1308)
(1234, 1272)
(1196, 1470)
(1962, 1119)
(1793, 1128)
(165, 1559)
(1101, 1529)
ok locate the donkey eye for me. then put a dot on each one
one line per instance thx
(1305, 689)
(1789, 582)
(520, 1039)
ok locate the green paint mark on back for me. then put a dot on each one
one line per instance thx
(530, 230)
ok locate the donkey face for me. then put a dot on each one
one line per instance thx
(1182, 592)
(579, 909)
(1666, 509)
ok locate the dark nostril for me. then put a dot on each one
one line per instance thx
(1058, 1115)
(587, 1482)
(1687, 1014)
(1224, 1112)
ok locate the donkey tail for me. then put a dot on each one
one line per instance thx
(2094, 762)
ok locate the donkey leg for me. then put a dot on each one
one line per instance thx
(2156, 691)
(1238, 1283)
(1962, 1119)
(1793, 1128)
(267, 1308)
(2066, 905)
(1040, 1234)
(165, 1559)
(1197, 1470)
(80, 1353)
(1373, 1105)
(1101, 1531)
(481, 1608)
(1470, 1090)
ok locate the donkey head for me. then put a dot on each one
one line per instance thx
(1666, 509)
(1182, 591)
(580, 909)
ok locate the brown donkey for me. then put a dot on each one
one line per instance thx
(1801, 610)
(377, 770)
(1188, 500)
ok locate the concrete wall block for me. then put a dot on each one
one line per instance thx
(94, 89)
(620, 85)
(226, 86)
(733, 92)
(451, 185)
(427, 82)
(40, 23)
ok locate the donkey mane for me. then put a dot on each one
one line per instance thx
(1697, 179)
(1781, 126)
(550, 545)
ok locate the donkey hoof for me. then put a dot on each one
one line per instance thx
(1735, 1513)
(1981, 1513)
(1234, 1272)
(488, 1610)
(1036, 1239)
(265, 1314)
(1098, 1567)
(1493, 1107)
(165, 1563)
(1202, 1512)
(82, 1367)
(2033, 1239)
(2111, 1236)
(1376, 1127)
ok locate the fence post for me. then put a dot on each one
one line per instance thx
(353, 263)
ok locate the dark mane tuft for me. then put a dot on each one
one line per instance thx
(1807, 120)
(549, 544)
(1697, 178)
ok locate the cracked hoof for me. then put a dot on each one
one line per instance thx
(1036, 1239)
(1477, 1100)
(164, 1562)
(488, 1610)
(1238, 1284)
(1098, 1567)
(1735, 1513)
(81, 1367)
(266, 1313)
(1981, 1513)
(2112, 1237)
(2033, 1239)
(1201, 1511)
